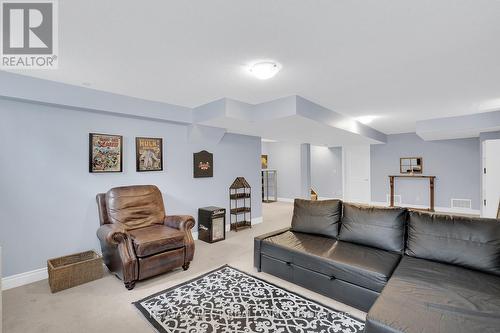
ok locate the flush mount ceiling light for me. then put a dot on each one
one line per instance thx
(366, 119)
(490, 105)
(265, 70)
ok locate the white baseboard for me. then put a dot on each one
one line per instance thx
(21, 279)
(257, 220)
(285, 200)
(437, 209)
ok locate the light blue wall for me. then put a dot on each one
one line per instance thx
(455, 163)
(47, 206)
(326, 171)
(285, 158)
(489, 136)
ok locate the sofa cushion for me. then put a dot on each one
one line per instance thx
(317, 217)
(425, 296)
(135, 206)
(155, 239)
(379, 227)
(465, 241)
(360, 265)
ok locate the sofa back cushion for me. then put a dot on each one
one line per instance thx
(464, 241)
(379, 227)
(135, 206)
(317, 217)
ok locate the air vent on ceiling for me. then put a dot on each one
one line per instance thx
(461, 203)
(397, 199)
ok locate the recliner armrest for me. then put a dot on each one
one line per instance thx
(118, 252)
(184, 223)
(112, 233)
(257, 243)
(181, 222)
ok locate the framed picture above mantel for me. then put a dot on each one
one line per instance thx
(411, 165)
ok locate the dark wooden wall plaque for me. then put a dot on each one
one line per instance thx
(203, 164)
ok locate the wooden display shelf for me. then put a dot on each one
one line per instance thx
(240, 210)
(241, 225)
(240, 204)
(239, 196)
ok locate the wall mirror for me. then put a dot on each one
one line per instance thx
(410, 165)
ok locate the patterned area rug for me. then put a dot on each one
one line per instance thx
(228, 300)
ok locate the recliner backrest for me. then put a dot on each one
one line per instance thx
(135, 206)
(101, 208)
(464, 241)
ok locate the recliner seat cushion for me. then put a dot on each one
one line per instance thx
(317, 217)
(431, 297)
(135, 206)
(464, 241)
(360, 265)
(155, 239)
(379, 227)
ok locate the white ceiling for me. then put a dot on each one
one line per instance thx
(401, 60)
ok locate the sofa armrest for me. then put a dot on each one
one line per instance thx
(181, 222)
(113, 234)
(184, 223)
(257, 241)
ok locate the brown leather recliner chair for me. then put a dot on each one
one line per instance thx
(137, 239)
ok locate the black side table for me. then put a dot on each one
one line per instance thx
(211, 224)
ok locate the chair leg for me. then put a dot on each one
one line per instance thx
(186, 266)
(130, 285)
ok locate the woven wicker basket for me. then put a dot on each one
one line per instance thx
(73, 270)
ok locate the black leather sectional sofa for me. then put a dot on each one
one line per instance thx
(411, 271)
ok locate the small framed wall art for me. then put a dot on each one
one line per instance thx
(263, 161)
(105, 153)
(149, 154)
(410, 165)
(203, 164)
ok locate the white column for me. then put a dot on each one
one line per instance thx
(305, 171)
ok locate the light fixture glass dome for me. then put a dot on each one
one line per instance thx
(265, 70)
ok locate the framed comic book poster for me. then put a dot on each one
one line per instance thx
(105, 153)
(149, 154)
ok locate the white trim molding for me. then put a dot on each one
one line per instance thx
(257, 220)
(436, 209)
(21, 279)
(285, 200)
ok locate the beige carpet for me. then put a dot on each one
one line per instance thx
(105, 305)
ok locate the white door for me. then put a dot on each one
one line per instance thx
(356, 173)
(491, 178)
